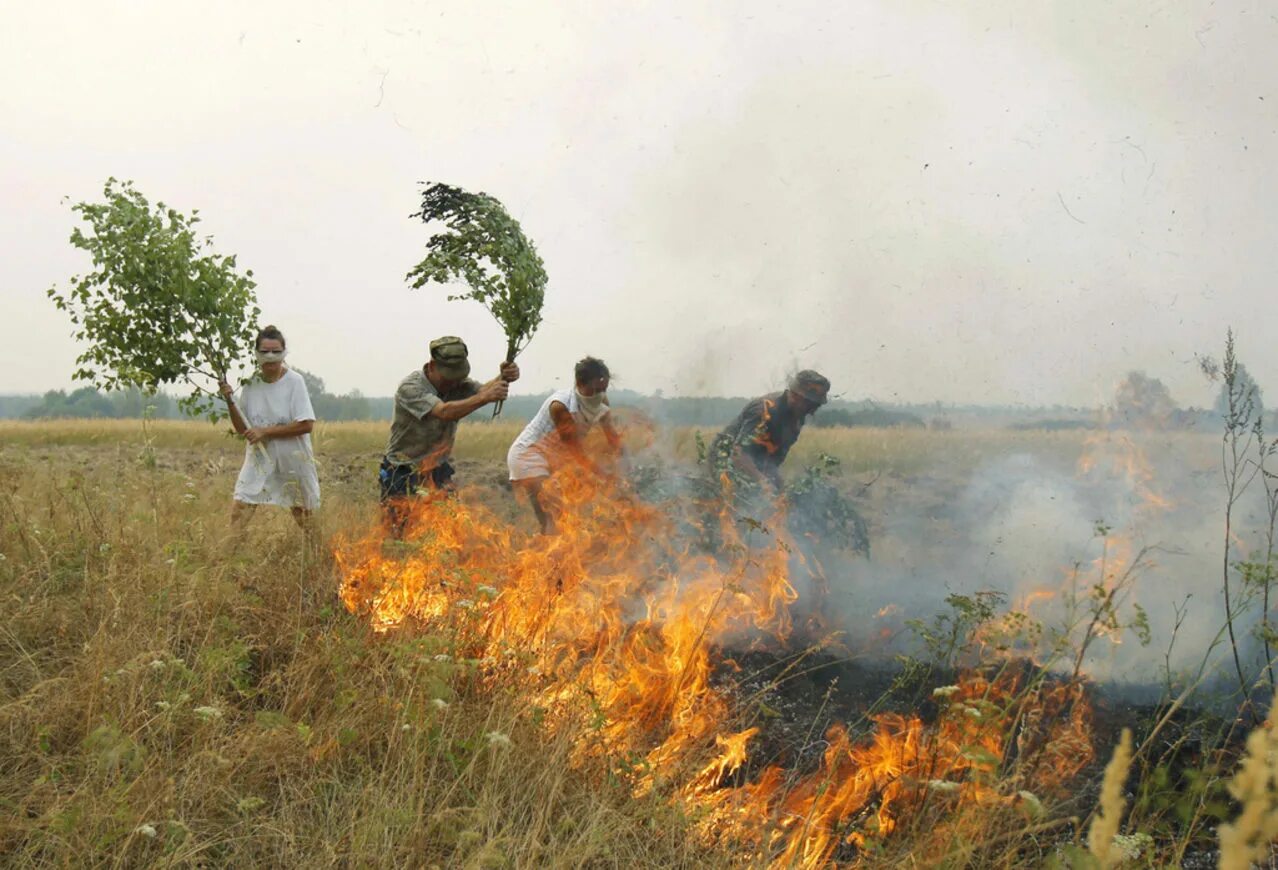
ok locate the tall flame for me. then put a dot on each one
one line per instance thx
(615, 612)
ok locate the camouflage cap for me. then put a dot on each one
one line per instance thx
(450, 357)
(811, 385)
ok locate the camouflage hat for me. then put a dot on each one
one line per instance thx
(450, 357)
(810, 385)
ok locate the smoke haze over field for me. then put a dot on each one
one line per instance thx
(1026, 526)
(1016, 203)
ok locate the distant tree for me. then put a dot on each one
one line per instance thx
(16, 406)
(352, 406)
(1142, 402)
(882, 418)
(829, 418)
(84, 402)
(135, 403)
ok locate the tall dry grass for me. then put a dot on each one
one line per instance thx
(170, 695)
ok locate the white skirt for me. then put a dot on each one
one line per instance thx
(527, 463)
(282, 473)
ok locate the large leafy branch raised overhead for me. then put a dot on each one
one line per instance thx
(160, 306)
(483, 247)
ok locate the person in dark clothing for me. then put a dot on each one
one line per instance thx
(754, 445)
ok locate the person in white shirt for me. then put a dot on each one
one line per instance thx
(555, 436)
(275, 417)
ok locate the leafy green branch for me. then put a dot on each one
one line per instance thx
(484, 248)
(159, 306)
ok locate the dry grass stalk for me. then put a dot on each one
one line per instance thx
(1100, 837)
(1255, 786)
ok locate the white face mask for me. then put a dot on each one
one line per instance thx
(592, 407)
(271, 356)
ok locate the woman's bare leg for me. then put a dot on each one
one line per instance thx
(241, 512)
(532, 486)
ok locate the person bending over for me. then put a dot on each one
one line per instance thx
(754, 445)
(555, 435)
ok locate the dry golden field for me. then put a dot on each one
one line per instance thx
(861, 449)
(173, 696)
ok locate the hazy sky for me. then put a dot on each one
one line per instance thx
(995, 202)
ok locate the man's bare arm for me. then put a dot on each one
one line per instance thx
(495, 390)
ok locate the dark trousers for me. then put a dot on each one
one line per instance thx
(399, 483)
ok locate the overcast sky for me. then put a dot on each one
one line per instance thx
(991, 202)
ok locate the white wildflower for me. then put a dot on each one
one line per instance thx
(443, 657)
(944, 691)
(208, 712)
(490, 591)
(147, 830)
(534, 670)
(439, 703)
(163, 705)
(157, 665)
(104, 547)
(973, 712)
(496, 738)
(1132, 845)
(170, 561)
(405, 727)
(190, 496)
(466, 604)
(944, 786)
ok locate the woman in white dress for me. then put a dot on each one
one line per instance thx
(275, 417)
(555, 435)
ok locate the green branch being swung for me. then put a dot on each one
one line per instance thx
(484, 248)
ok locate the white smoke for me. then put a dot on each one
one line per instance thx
(1024, 525)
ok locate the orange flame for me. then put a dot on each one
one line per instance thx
(615, 613)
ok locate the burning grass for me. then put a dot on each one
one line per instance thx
(614, 696)
(168, 699)
(610, 628)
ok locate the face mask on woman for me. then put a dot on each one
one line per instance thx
(592, 407)
(270, 356)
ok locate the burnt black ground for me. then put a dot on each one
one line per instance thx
(794, 699)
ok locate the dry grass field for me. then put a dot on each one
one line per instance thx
(171, 695)
(900, 450)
